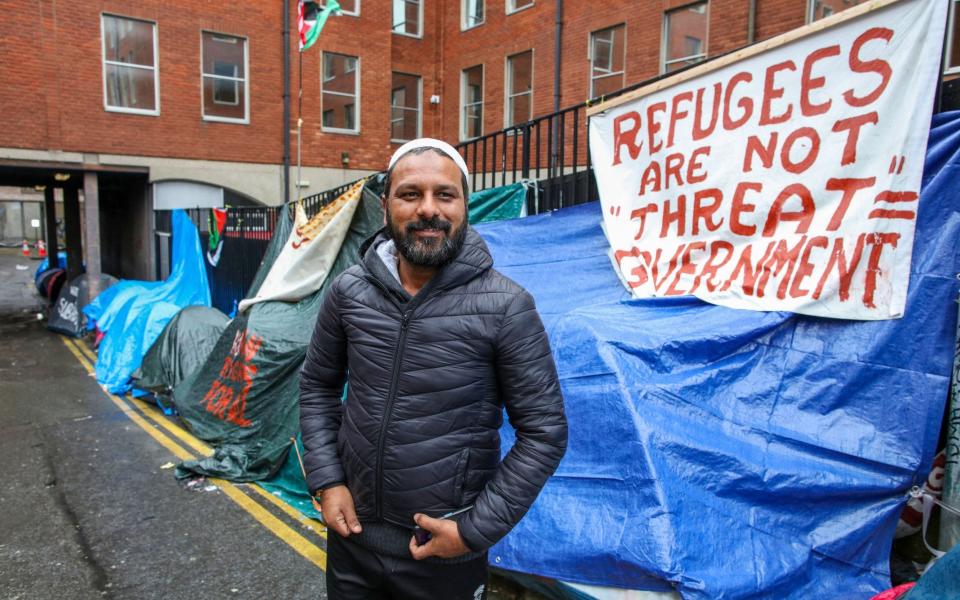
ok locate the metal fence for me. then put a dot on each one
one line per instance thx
(553, 150)
(232, 266)
(313, 204)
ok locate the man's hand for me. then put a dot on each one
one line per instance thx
(338, 510)
(444, 543)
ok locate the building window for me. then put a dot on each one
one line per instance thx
(684, 36)
(471, 13)
(348, 7)
(515, 5)
(408, 17)
(519, 88)
(224, 62)
(404, 107)
(471, 102)
(607, 50)
(130, 74)
(952, 63)
(340, 93)
(820, 9)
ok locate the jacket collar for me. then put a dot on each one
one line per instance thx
(474, 258)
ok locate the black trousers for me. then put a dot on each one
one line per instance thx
(355, 573)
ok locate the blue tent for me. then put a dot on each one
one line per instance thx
(132, 314)
(727, 453)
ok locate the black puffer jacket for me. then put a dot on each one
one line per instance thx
(429, 377)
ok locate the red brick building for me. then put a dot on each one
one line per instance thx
(155, 104)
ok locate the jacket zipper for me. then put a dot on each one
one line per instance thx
(388, 409)
(411, 306)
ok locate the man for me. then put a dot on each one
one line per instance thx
(436, 343)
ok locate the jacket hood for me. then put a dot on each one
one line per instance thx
(474, 258)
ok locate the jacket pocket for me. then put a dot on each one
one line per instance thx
(460, 480)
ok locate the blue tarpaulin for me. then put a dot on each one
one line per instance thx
(132, 314)
(730, 453)
(44, 265)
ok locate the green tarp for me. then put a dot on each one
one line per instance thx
(949, 522)
(244, 399)
(498, 204)
(181, 349)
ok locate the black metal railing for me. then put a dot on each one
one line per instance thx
(246, 236)
(313, 204)
(552, 150)
(231, 265)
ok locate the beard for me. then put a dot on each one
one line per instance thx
(431, 251)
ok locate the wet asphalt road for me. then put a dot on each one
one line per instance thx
(86, 511)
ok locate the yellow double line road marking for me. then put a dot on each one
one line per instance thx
(136, 412)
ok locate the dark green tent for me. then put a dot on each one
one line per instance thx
(181, 349)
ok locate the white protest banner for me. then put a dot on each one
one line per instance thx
(785, 176)
(307, 257)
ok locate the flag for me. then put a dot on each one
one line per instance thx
(311, 19)
(217, 222)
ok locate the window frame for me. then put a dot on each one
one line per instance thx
(952, 19)
(509, 94)
(355, 95)
(246, 82)
(811, 6)
(235, 79)
(393, 30)
(419, 106)
(155, 68)
(463, 104)
(463, 15)
(665, 36)
(512, 11)
(592, 57)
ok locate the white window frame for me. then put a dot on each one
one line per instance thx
(811, 5)
(463, 103)
(355, 13)
(419, 19)
(155, 68)
(508, 93)
(355, 95)
(592, 57)
(951, 36)
(236, 80)
(665, 36)
(510, 6)
(464, 25)
(419, 105)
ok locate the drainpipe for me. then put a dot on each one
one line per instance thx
(556, 57)
(554, 154)
(752, 22)
(286, 101)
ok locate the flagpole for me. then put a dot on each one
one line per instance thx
(299, 121)
(316, 22)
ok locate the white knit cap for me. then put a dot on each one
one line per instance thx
(442, 146)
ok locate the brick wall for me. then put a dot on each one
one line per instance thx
(51, 87)
(52, 82)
